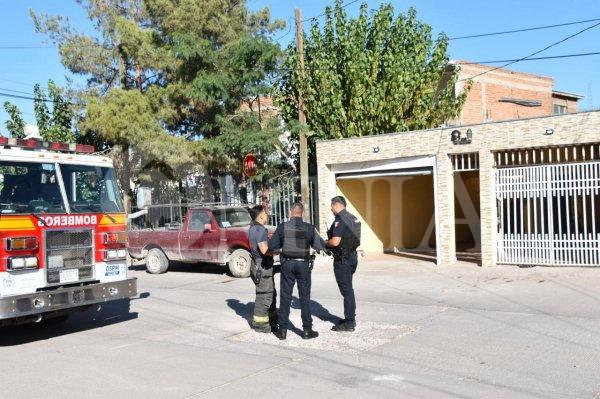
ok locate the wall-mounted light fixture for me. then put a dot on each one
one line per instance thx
(549, 132)
(456, 138)
(376, 150)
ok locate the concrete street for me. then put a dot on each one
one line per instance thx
(424, 331)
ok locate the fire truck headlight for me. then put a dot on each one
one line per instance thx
(16, 263)
(31, 262)
(115, 254)
(22, 262)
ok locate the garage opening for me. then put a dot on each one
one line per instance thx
(397, 209)
(467, 222)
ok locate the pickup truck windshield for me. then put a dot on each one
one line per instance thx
(91, 189)
(31, 187)
(232, 217)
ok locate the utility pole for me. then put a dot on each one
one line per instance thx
(304, 188)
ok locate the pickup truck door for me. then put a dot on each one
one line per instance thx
(196, 241)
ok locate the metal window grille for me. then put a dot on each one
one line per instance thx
(547, 155)
(549, 214)
(465, 162)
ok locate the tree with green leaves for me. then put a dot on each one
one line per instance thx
(15, 125)
(61, 128)
(55, 125)
(190, 63)
(377, 73)
(42, 115)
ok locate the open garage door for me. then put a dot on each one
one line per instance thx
(395, 202)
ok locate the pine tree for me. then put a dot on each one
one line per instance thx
(188, 65)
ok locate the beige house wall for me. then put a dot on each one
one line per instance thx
(568, 129)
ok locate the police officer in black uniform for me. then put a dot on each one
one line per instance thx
(343, 239)
(295, 238)
(264, 318)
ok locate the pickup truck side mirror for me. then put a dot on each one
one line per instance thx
(207, 227)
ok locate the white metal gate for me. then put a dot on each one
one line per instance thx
(549, 214)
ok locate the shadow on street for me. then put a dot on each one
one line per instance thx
(207, 268)
(245, 311)
(96, 316)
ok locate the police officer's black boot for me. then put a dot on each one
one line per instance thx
(281, 333)
(344, 326)
(309, 334)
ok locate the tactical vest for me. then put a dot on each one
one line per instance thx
(350, 240)
(295, 242)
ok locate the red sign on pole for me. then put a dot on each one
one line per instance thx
(250, 165)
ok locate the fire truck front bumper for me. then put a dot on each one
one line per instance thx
(65, 298)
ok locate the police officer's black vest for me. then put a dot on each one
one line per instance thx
(350, 240)
(295, 242)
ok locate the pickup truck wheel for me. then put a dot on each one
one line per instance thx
(156, 261)
(239, 263)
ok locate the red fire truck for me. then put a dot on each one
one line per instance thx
(62, 231)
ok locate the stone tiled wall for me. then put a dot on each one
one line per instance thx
(582, 127)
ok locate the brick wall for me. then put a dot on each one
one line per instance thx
(483, 101)
(568, 129)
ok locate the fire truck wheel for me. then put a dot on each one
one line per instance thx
(156, 261)
(239, 263)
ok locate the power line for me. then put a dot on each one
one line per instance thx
(524, 29)
(536, 52)
(16, 91)
(28, 96)
(320, 15)
(16, 82)
(16, 96)
(549, 57)
(24, 47)
(288, 31)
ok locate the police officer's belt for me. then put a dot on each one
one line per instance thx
(297, 259)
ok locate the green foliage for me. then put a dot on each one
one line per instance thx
(374, 74)
(243, 134)
(55, 125)
(15, 125)
(62, 116)
(40, 108)
(182, 69)
(128, 117)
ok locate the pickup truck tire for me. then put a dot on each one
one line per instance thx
(156, 261)
(239, 263)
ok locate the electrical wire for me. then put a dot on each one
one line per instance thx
(524, 29)
(321, 15)
(288, 31)
(29, 96)
(534, 53)
(549, 57)
(23, 47)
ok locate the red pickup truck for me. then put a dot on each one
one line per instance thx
(212, 234)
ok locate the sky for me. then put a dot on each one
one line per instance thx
(20, 69)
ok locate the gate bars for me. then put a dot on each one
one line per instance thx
(548, 214)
